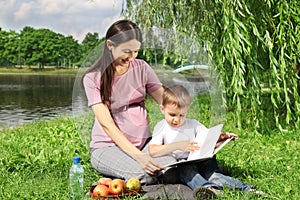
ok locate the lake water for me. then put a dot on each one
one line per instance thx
(27, 98)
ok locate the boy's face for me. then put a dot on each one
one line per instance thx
(174, 115)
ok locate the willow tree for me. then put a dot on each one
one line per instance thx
(255, 45)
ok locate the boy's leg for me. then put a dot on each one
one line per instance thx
(189, 175)
(207, 167)
(210, 170)
(112, 161)
(229, 182)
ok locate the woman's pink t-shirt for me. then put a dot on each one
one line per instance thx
(128, 89)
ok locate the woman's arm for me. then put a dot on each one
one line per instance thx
(104, 118)
(157, 95)
(156, 150)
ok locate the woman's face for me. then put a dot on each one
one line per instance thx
(125, 52)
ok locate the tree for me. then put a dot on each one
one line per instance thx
(89, 46)
(9, 48)
(72, 49)
(254, 45)
(44, 47)
(26, 44)
(3, 39)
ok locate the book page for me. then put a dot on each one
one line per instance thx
(207, 143)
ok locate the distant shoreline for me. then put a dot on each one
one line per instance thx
(37, 70)
(54, 71)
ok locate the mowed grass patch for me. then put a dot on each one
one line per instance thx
(270, 162)
(35, 161)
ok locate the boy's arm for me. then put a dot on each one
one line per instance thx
(157, 150)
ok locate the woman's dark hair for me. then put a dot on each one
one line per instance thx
(119, 32)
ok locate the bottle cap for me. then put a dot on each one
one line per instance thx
(76, 159)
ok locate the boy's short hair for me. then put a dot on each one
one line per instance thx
(176, 95)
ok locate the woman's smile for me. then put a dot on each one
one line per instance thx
(126, 52)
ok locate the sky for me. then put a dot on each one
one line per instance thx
(68, 17)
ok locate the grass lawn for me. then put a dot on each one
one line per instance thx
(35, 159)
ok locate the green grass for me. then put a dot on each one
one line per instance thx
(35, 159)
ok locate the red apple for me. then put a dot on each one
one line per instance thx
(100, 190)
(104, 181)
(117, 186)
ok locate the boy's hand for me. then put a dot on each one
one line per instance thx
(227, 135)
(189, 146)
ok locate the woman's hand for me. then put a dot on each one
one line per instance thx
(148, 164)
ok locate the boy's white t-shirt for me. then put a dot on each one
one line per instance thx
(163, 133)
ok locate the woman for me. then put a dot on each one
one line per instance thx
(116, 87)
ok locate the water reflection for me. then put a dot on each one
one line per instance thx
(27, 98)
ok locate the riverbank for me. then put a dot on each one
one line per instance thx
(53, 70)
(36, 70)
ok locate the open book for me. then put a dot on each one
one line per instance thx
(207, 142)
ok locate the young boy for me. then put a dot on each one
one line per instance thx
(174, 135)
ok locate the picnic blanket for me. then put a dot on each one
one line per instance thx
(167, 191)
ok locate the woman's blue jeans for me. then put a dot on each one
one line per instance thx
(207, 174)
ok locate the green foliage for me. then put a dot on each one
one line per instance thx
(93, 53)
(7, 47)
(43, 47)
(254, 45)
(92, 48)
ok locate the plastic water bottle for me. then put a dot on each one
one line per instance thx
(76, 180)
